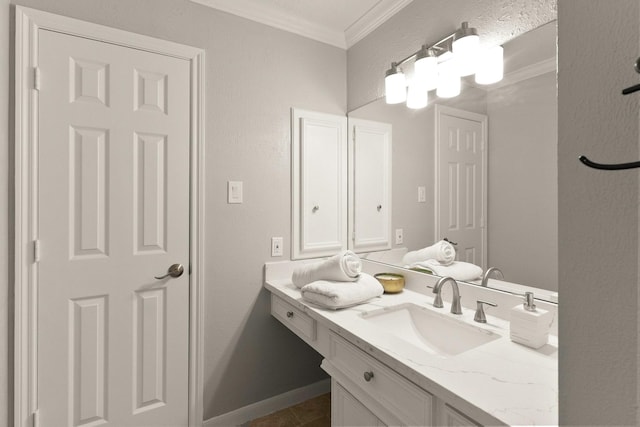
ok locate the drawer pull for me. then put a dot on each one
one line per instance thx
(289, 314)
(368, 376)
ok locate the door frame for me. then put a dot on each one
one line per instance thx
(441, 110)
(27, 23)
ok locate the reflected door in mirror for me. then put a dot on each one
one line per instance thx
(461, 170)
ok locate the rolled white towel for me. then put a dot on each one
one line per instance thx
(442, 251)
(459, 270)
(335, 295)
(343, 267)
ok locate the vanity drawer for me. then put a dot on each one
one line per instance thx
(411, 404)
(298, 321)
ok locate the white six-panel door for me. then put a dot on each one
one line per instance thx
(113, 203)
(461, 182)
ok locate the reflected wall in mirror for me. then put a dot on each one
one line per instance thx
(522, 212)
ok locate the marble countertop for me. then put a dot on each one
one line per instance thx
(500, 382)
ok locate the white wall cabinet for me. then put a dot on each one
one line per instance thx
(369, 185)
(319, 184)
(341, 186)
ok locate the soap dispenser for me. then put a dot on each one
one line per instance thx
(530, 325)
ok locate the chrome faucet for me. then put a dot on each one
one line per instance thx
(455, 303)
(485, 278)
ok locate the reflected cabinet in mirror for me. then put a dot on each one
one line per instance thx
(481, 169)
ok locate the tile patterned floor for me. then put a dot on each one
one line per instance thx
(315, 412)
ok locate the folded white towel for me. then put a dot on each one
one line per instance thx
(336, 295)
(442, 251)
(343, 267)
(459, 270)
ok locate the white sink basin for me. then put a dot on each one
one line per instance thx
(433, 332)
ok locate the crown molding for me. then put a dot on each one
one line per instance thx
(267, 16)
(371, 20)
(263, 14)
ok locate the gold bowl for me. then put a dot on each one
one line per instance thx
(391, 282)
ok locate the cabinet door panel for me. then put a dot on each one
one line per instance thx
(453, 418)
(370, 186)
(319, 160)
(346, 410)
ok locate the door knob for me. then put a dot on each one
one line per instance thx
(175, 270)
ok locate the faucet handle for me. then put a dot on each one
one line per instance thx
(480, 316)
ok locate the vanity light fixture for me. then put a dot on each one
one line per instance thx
(441, 65)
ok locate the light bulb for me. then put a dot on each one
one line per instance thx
(395, 86)
(426, 70)
(448, 79)
(490, 66)
(465, 48)
(418, 96)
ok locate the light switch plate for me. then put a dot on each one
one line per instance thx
(234, 191)
(276, 246)
(422, 194)
(399, 236)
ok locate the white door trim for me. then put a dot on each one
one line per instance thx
(444, 110)
(28, 22)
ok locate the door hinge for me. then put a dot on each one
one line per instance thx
(35, 418)
(36, 251)
(481, 222)
(353, 236)
(36, 78)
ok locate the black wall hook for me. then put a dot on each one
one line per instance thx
(609, 167)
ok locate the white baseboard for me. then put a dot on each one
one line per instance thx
(270, 405)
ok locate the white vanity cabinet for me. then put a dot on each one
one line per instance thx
(319, 184)
(365, 391)
(390, 397)
(369, 185)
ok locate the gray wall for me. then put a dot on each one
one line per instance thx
(523, 191)
(598, 213)
(426, 21)
(255, 74)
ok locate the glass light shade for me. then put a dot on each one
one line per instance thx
(490, 66)
(465, 48)
(466, 45)
(395, 87)
(426, 71)
(448, 79)
(418, 96)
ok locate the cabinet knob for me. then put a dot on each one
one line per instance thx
(368, 375)
(379, 208)
(315, 208)
(289, 314)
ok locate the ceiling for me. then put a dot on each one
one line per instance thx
(340, 23)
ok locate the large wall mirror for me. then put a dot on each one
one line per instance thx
(521, 196)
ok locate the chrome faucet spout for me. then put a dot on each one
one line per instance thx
(455, 303)
(488, 273)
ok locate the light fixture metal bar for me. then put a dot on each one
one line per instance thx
(437, 46)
